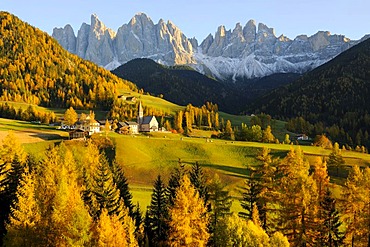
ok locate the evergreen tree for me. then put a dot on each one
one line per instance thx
(23, 227)
(106, 192)
(335, 158)
(156, 226)
(174, 182)
(89, 196)
(250, 196)
(220, 202)
(188, 217)
(330, 234)
(12, 164)
(120, 180)
(199, 181)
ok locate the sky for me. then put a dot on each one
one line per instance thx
(198, 18)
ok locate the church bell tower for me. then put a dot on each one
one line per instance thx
(140, 115)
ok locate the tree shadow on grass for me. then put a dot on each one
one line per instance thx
(48, 136)
(238, 172)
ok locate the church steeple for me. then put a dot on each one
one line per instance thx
(140, 114)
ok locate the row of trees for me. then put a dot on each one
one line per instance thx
(195, 211)
(343, 133)
(296, 199)
(30, 114)
(64, 201)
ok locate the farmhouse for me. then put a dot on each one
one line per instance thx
(77, 134)
(89, 125)
(127, 128)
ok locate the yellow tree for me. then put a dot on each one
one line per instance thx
(23, 226)
(70, 116)
(110, 231)
(188, 217)
(247, 234)
(70, 220)
(267, 135)
(297, 198)
(12, 160)
(356, 207)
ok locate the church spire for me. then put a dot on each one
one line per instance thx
(140, 114)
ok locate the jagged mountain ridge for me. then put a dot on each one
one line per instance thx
(245, 52)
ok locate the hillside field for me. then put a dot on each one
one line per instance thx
(145, 156)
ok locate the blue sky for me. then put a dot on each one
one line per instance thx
(198, 18)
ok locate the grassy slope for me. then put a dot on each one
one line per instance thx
(144, 158)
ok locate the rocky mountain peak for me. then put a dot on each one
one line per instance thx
(262, 28)
(249, 51)
(66, 37)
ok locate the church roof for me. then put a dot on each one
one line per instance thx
(147, 119)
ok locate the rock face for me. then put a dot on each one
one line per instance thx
(249, 51)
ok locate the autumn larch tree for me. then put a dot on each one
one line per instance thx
(23, 227)
(70, 116)
(188, 217)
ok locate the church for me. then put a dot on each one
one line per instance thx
(148, 123)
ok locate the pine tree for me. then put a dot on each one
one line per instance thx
(250, 196)
(174, 182)
(156, 226)
(220, 202)
(120, 180)
(335, 158)
(23, 227)
(88, 195)
(188, 217)
(12, 164)
(329, 233)
(199, 181)
(106, 192)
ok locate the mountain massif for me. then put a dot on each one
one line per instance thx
(244, 52)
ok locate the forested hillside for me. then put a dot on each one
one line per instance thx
(334, 95)
(181, 85)
(35, 69)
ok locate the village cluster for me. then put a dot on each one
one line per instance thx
(89, 126)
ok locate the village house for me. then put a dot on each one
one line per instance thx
(77, 134)
(127, 128)
(89, 125)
